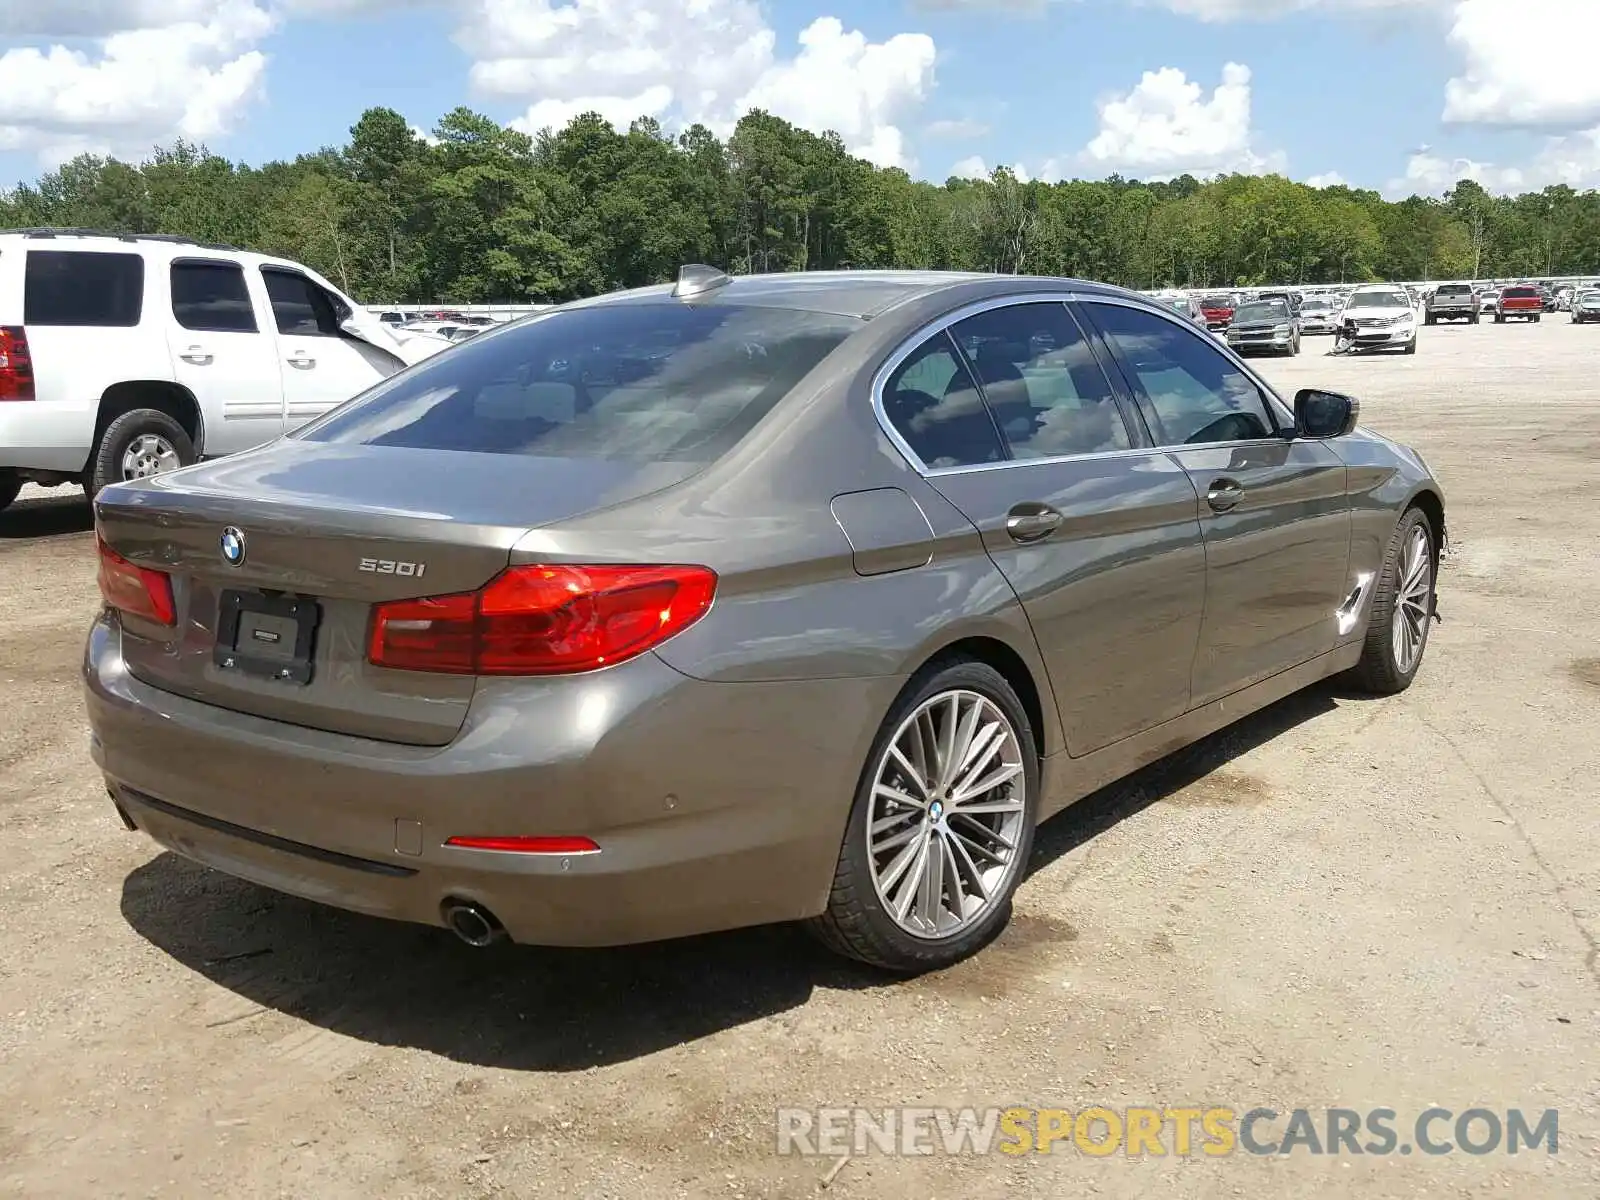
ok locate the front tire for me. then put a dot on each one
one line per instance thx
(1402, 609)
(1411, 346)
(941, 827)
(136, 445)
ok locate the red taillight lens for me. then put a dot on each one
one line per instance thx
(542, 620)
(140, 591)
(16, 364)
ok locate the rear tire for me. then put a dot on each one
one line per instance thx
(859, 921)
(1536, 317)
(10, 485)
(1403, 595)
(137, 444)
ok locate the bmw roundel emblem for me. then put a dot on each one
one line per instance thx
(232, 544)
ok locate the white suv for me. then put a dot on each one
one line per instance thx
(123, 355)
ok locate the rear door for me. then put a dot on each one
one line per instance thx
(1275, 510)
(1013, 420)
(224, 352)
(321, 366)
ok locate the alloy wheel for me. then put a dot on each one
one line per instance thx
(1413, 600)
(149, 454)
(946, 814)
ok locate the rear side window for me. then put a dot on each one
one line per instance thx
(936, 408)
(83, 287)
(674, 382)
(212, 297)
(300, 307)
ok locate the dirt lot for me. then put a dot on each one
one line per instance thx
(1338, 902)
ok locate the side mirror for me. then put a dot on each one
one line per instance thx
(1319, 414)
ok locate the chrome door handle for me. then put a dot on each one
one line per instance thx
(1032, 521)
(198, 355)
(303, 362)
(1224, 494)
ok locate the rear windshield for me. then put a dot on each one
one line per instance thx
(1453, 289)
(1521, 293)
(1216, 302)
(627, 381)
(83, 287)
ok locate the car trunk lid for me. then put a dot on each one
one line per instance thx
(322, 533)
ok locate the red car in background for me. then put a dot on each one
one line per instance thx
(1519, 301)
(1218, 310)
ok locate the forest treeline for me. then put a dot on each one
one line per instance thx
(478, 212)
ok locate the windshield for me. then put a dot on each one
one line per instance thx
(627, 381)
(1379, 300)
(1316, 306)
(1216, 302)
(1181, 303)
(1262, 310)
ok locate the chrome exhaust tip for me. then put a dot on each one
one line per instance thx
(472, 923)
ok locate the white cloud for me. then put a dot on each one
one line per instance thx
(958, 130)
(139, 87)
(707, 61)
(96, 18)
(1236, 10)
(1528, 62)
(1573, 159)
(971, 167)
(1167, 126)
(1327, 179)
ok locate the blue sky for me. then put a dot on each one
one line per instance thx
(1399, 95)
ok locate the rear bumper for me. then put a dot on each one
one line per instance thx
(1452, 314)
(47, 435)
(715, 805)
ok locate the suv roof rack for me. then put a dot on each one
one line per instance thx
(45, 231)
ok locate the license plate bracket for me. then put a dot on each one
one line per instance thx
(266, 635)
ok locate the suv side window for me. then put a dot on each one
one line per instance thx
(1193, 393)
(83, 287)
(933, 403)
(1042, 381)
(211, 297)
(300, 307)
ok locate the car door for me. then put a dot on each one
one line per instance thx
(1275, 509)
(224, 352)
(1009, 414)
(320, 365)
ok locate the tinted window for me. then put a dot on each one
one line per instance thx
(935, 406)
(1195, 393)
(625, 381)
(212, 296)
(299, 306)
(1453, 289)
(1520, 293)
(1261, 310)
(77, 287)
(1045, 389)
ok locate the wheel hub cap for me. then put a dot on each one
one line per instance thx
(1413, 602)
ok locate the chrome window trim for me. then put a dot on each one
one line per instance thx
(942, 324)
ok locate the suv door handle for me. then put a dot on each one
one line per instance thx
(198, 355)
(1224, 493)
(303, 361)
(1031, 521)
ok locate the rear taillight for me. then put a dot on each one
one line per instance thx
(139, 591)
(542, 620)
(16, 364)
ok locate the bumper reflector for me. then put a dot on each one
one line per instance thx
(527, 845)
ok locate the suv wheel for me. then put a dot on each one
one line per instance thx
(136, 445)
(10, 485)
(941, 827)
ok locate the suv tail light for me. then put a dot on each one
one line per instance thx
(16, 364)
(130, 588)
(542, 620)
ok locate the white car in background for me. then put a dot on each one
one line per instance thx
(123, 356)
(1384, 318)
(1319, 314)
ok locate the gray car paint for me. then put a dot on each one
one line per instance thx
(717, 772)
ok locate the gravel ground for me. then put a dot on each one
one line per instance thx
(1339, 901)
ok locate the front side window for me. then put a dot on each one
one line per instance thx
(935, 406)
(1042, 382)
(83, 287)
(212, 297)
(644, 382)
(1194, 393)
(299, 306)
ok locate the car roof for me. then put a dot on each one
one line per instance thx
(851, 293)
